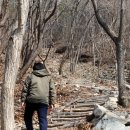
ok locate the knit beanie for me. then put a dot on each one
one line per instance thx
(38, 66)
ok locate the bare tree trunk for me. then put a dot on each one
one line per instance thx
(120, 57)
(11, 67)
(120, 74)
(62, 63)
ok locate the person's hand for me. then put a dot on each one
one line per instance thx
(22, 105)
(51, 107)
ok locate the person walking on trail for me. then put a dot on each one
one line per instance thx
(37, 95)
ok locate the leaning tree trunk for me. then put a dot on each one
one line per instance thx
(12, 65)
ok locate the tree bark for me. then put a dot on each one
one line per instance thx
(12, 65)
(37, 50)
(120, 56)
(11, 69)
(120, 75)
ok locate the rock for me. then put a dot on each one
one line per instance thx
(127, 128)
(112, 103)
(109, 123)
(127, 66)
(127, 86)
(101, 90)
(122, 114)
(85, 58)
(61, 49)
(106, 120)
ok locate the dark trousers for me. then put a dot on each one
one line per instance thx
(42, 115)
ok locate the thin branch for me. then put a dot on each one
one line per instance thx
(43, 60)
(106, 28)
(52, 13)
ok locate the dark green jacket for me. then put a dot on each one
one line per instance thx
(38, 88)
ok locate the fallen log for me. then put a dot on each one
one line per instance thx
(71, 124)
(70, 113)
(69, 116)
(67, 105)
(53, 128)
(88, 104)
(78, 109)
(68, 119)
(81, 125)
(55, 125)
(99, 98)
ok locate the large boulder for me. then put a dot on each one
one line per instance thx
(103, 119)
(85, 58)
(61, 49)
(110, 123)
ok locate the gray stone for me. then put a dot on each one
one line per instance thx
(127, 128)
(109, 123)
(106, 120)
(111, 103)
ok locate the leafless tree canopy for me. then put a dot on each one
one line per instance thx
(97, 29)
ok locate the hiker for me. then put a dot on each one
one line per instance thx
(37, 95)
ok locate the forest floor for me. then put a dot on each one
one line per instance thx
(84, 83)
